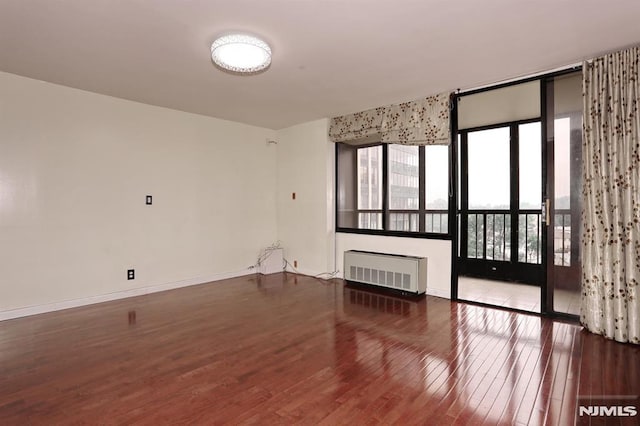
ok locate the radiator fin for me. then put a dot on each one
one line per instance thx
(398, 280)
(406, 281)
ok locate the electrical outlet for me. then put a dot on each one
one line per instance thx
(295, 263)
(131, 274)
(149, 200)
(293, 195)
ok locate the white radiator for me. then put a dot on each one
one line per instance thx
(405, 273)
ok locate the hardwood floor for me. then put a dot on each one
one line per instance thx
(285, 349)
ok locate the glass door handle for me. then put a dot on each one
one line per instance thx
(545, 211)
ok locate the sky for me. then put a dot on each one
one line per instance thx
(489, 165)
(489, 168)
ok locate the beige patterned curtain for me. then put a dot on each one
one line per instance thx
(361, 126)
(611, 213)
(421, 122)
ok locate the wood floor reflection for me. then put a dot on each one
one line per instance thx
(285, 349)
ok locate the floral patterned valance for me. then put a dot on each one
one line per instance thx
(421, 122)
(361, 125)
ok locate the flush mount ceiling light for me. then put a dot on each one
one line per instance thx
(241, 53)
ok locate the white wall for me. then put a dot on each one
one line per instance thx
(306, 224)
(75, 168)
(74, 171)
(438, 253)
(306, 228)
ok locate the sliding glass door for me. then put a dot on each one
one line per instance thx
(519, 165)
(564, 186)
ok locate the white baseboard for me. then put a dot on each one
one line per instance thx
(74, 303)
(91, 300)
(308, 273)
(446, 294)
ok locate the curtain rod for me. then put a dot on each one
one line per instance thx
(522, 77)
(541, 73)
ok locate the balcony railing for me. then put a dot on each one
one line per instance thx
(489, 235)
(370, 219)
(488, 232)
(435, 220)
(562, 237)
(530, 237)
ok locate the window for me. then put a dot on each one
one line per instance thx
(404, 188)
(393, 189)
(370, 188)
(437, 189)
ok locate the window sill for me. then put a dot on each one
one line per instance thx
(403, 234)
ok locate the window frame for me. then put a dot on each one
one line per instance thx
(386, 211)
(523, 271)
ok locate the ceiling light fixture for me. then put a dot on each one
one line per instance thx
(241, 53)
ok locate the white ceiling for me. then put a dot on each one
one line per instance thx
(330, 57)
